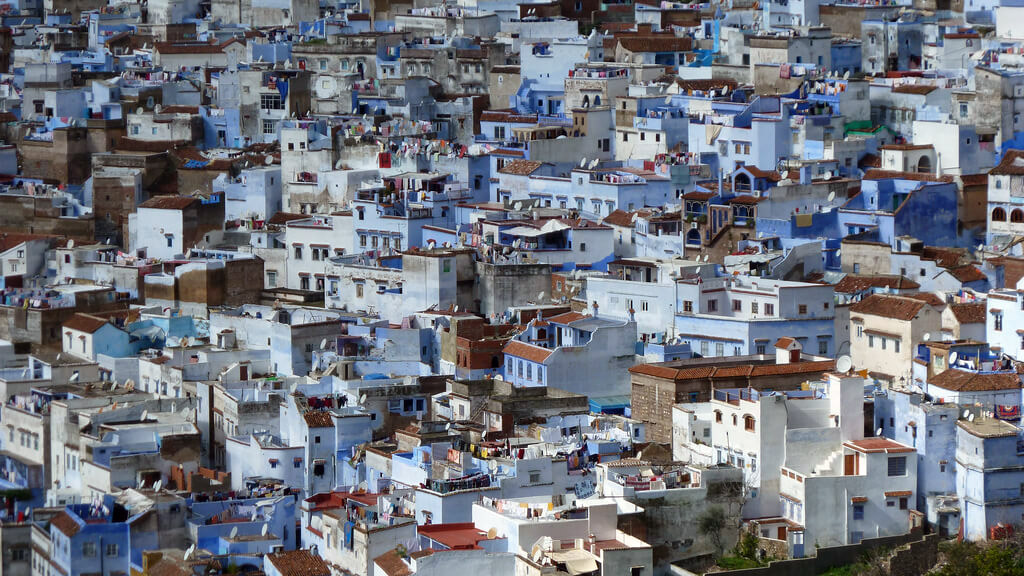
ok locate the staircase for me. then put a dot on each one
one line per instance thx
(829, 466)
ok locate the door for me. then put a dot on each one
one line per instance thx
(782, 533)
(243, 373)
(848, 464)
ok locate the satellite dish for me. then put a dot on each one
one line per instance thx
(139, 110)
(967, 413)
(234, 533)
(158, 485)
(970, 418)
(71, 243)
(843, 364)
(878, 432)
(725, 90)
(707, 257)
(268, 159)
(265, 530)
(493, 466)
(594, 163)
(953, 357)
(339, 163)
(492, 533)
(827, 175)
(362, 399)
(668, 99)
(157, 108)
(540, 297)
(145, 415)
(323, 344)
(846, 75)
(927, 336)
(73, 378)
(188, 553)
(583, 162)
(839, 253)
(831, 195)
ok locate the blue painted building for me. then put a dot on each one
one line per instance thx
(888, 207)
(90, 539)
(989, 476)
(930, 427)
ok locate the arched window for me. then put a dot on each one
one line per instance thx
(1017, 216)
(542, 334)
(999, 215)
(734, 419)
(924, 164)
(586, 101)
(748, 422)
(693, 237)
(718, 416)
(597, 100)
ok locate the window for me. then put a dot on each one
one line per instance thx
(89, 549)
(704, 348)
(761, 348)
(896, 346)
(298, 252)
(823, 347)
(753, 307)
(802, 309)
(719, 349)
(897, 466)
(271, 101)
(884, 340)
(712, 305)
(111, 549)
(858, 511)
(359, 290)
(687, 306)
(269, 127)
(737, 306)
(583, 246)
(748, 423)
(769, 309)
(297, 462)
(871, 341)
(903, 503)
(316, 439)
(362, 239)
(998, 320)
(860, 331)
(170, 241)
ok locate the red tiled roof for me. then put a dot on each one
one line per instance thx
(318, 419)
(285, 217)
(921, 89)
(785, 342)
(85, 323)
(526, 351)
(878, 445)
(567, 318)
(963, 381)
(619, 218)
(1012, 164)
(392, 564)
(876, 174)
(169, 202)
(745, 199)
(748, 370)
(852, 284)
(969, 312)
(455, 535)
(65, 523)
(299, 563)
(521, 167)
(896, 307)
(968, 273)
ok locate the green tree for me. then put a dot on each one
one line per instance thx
(710, 524)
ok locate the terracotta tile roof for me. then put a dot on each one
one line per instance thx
(785, 342)
(974, 179)
(1012, 164)
(758, 173)
(194, 47)
(852, 284)
(896, 307)
(567, 318)
(285, 217)
(870, 161)
(878, 445)
(745, 199)
(659, 43)
(928, 297)
(619, 218)
(905, 147)
(8, 241)
(969, 312)
(704, 85)
(65, 523)
(700, 196)
(968, 273)
(963, 381)
(526, 351)
(945, 257)
(521, 167)
(921, 89)
(507, 116)
(85, 323)
(876, 174)
(898, 493)
(318, 419)
(299, 563)
(392, 564)
(746, 370)
(169, 202)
